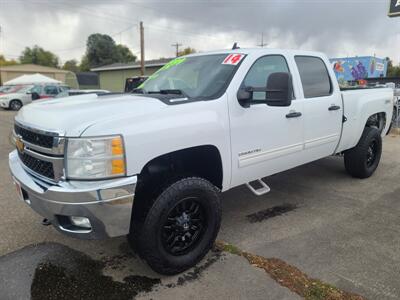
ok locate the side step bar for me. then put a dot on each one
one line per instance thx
(259, 191)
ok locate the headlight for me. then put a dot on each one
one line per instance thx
(95, 158)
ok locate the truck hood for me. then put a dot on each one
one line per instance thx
(71, 116)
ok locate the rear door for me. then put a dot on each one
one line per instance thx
(322, 108)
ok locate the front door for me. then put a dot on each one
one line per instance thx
(264, 139)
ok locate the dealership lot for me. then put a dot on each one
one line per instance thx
(341, 230)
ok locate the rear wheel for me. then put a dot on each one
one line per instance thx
(362, 160)
(180, 227)
(15, 104)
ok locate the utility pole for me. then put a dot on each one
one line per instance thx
(141, 48)
(262, 41)
(176, 45)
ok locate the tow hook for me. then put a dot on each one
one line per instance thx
(46, 222)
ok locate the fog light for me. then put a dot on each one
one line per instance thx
(81, 222)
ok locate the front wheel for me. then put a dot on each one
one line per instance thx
(362, 160)
(181, 226)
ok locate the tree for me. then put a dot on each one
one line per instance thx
(4, 62)
(84, 66)
(101, 49)
(125, 55)
(392, 71)
(39, 56)
(186, 51)
(71, 65)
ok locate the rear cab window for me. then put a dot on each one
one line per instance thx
(314, 76)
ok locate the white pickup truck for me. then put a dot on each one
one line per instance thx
(151, 165)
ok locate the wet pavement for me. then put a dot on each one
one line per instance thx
(332, 227)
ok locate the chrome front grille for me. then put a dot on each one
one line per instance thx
(34, 138)
(41, 167)
(41, 152)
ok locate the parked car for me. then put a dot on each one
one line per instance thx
(14, 97)
(152, 165)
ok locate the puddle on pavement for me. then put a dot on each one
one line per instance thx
(82, 278)
(271, 212)
(70, 274)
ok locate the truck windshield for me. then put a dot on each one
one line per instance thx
(205, 76)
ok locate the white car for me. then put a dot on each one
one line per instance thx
(152, 165)
(16, 97)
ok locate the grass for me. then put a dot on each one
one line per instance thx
(291, 277)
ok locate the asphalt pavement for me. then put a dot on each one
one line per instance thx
(317, 220)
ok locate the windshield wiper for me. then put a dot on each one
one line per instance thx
(170, 92)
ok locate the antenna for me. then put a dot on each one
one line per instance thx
(235, 46)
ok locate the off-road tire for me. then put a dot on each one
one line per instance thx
(150, 238)
(356, 160)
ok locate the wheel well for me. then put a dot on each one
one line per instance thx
(377, 120)
(202, 161)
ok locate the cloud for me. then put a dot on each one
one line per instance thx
(339, 28)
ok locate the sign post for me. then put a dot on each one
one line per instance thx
(394, 8)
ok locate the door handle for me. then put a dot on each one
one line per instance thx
(334, 107)
(294, 114)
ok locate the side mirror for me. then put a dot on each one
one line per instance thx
(244, 97)
(279, 90)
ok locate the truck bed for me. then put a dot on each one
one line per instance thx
(359, 105)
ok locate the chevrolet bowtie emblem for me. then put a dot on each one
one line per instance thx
(19, 144)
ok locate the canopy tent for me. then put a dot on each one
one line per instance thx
(31, 79)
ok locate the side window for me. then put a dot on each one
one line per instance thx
(36, 89)
(51, 90)
(314, 76)
(260, 71)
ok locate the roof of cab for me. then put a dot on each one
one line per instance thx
(259, 51)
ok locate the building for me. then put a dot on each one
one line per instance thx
(112, 77)
(10, 72)
(88, 80)
(359, 67)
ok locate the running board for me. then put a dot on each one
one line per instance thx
(260, 191)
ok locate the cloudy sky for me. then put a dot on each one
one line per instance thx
(337, 27)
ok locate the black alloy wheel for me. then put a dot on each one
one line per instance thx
(372, 153)
(184, 226)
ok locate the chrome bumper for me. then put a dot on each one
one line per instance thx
(107, 204)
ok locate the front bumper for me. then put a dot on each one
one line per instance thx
(107, 204)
